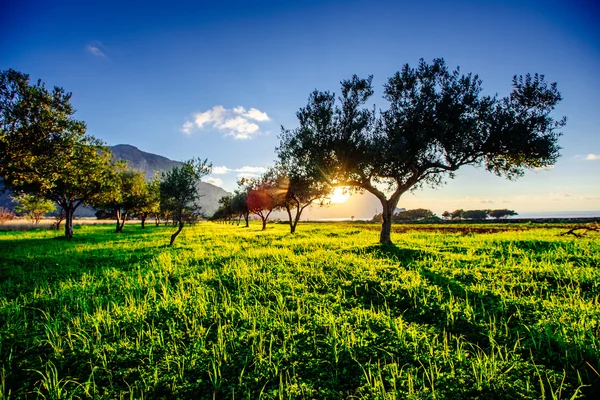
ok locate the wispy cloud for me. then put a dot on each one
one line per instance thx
(96, 48)
(560, 196)
(592, 157)
(481, 200)
(243, 170)
(236, 122)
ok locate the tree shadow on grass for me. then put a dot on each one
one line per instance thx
(26, 264)
(391, 252)
(520, 317)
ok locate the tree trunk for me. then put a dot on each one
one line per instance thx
(143, 217)
(386, 225)
(119, 227)
(69, 211)
(289, 213)
(264, 223)
(173, 236)
(246, 218)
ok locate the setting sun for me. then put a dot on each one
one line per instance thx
(339, 196)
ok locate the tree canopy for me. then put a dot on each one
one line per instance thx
(44, 150)
(437, 121)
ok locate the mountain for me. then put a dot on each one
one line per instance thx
(143, 161)
(148, 163)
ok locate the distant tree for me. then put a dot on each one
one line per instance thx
(457, 214)
(474, 214)
(225, 206)
(149, 201)
(179, 191)
(125, 193)
(6, 215)
(34, 207)
(44, 151)
(446, 215)
(413, 215)
(437, 122)
(239, 204)
(296, 188)
(502, 213)
(263, 198)
(104, 214)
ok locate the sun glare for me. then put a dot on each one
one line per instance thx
(338, 195)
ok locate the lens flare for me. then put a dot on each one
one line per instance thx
(339, 195)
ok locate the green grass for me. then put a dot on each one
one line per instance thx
(231, 312)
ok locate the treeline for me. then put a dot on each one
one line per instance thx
(422, 214)
(478, 214)
(418, 214)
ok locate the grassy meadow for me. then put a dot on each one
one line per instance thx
(449, 312)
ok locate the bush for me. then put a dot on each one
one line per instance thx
(6, 215)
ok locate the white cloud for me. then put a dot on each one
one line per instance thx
(247, 169)
(214, 181)
(591, 157)
(236, 122)
(247, 175)
(95, 49)
(239, 127)
(187, 127)
(252, 113)
(243, 171)
(220, 170)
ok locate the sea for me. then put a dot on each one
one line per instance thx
(539, 214)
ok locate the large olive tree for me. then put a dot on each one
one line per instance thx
(46, 152)
(437, 121)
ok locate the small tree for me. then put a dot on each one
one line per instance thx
(413, 215)
(457, 214)
(226, 211)
(6, 215)
(502, 213)
(126, 192)
(239, 204)
(474, 214)
(263, 198)
(149, 201)
(179, 191)
(296, 188)
(34, 207)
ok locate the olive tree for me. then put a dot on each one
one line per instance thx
(179, 191)
(44, 151)
(126, 192)
(35, 207)
(437, 121)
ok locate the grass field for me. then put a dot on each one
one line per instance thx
(236, 313)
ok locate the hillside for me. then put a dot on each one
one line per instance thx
(148, 163)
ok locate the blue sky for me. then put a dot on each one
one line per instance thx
(218, 80)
